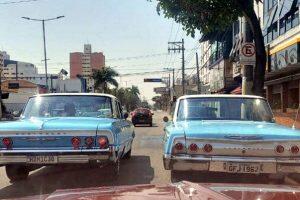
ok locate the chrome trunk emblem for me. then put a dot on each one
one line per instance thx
(243, 137)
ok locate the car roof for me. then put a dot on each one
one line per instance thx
(220, 96)
(76, 94)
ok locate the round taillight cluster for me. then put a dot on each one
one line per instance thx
(207, 148)
(7, 142)
(89, 141)
(193, 147)
(279, 149)
(179, 146)
(295, 149)
(103, 142)
(76, 142)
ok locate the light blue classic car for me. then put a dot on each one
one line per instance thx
(66, 129)
(231, 134)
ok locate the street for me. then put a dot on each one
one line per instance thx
(145, 167)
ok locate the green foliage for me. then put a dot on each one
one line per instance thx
(103, 77)
(129, 97)
(207, 16)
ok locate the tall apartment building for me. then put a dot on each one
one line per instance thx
(282, 38)
(83, 64)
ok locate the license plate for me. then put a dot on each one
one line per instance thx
(251, 168)
(42, 159)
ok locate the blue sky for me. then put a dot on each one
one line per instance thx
(119, 28)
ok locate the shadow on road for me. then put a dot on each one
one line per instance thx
(198, 177)
(46, 180)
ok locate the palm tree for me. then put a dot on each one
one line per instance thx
(103, 77)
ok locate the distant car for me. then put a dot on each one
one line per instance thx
(142, 116)
(66, 129)
(231, 134)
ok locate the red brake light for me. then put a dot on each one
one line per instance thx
(89, 141)
(279, 149)
(7, 142)
(193, 147)
(179, 146)
(103, 143)
(75, 142)
(295, 149)
(207, 148)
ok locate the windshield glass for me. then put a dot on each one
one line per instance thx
(224, 109)
(69, 106)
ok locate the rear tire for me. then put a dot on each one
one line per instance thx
(151, 124)
(177, 176)
(115, 169)
(127, 155)
(16, 172)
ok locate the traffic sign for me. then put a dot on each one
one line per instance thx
(153, 80)
(247, 55)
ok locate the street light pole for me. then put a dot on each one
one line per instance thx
(45, 54)
(44, 41)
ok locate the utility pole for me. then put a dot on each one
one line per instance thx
(247, 70)
(44, 41)
(179, 47)
(198, 74)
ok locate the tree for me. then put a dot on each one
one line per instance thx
(103, 77)
(211, 16)
(129, 97)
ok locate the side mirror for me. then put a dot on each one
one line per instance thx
(126, 115)
(152, 113)
(165, 119)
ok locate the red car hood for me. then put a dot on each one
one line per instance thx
(182, 191)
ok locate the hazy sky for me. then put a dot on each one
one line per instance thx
(122, 29)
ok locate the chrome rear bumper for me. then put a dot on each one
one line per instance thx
(61, 156)
(216, 163)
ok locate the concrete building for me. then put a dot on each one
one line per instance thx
(282, 39)
(19, 96)
(83, 64)
(17, 70)
(215, 66)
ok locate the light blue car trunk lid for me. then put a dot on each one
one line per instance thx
(51, 133)
(240, 130)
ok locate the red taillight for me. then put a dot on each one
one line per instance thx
(279, 149)
(7, 142)
(89, 141)
(193, 147)
(295, 149)
(207, 148)
(179, 146)
(75, 142)
(103, 143)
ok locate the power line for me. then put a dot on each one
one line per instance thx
(17, 2)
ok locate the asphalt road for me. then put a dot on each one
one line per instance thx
(144, 167)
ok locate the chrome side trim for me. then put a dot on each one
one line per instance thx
(14, 151)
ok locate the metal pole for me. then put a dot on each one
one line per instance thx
(16, 70)
(183, 72)
(247, 70)
(173, 77)
(198, 74)
(45, 54)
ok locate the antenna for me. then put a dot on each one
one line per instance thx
(293, 127)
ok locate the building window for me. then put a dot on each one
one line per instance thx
(41, 78)
(288, 23)
(282, 27)
(295, 19)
